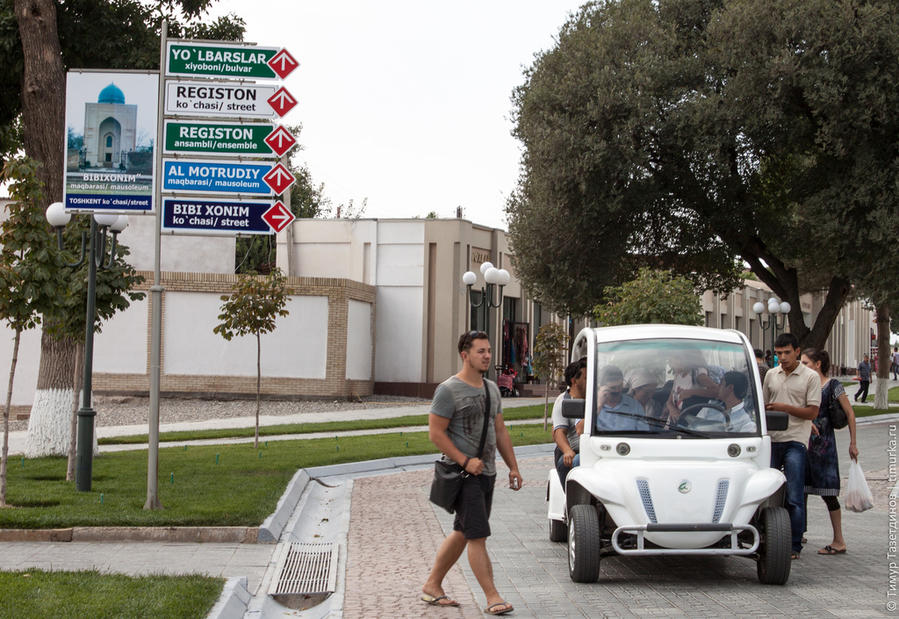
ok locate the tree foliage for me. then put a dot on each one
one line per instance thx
(699, 134)
(549, 352)
(652, 297)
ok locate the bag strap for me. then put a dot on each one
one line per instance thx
(486, 420)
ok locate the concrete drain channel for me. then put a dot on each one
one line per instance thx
(305, 574)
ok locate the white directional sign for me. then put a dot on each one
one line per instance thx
(212, 99)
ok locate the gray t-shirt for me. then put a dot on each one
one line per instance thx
(464, 406)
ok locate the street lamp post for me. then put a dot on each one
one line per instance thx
(775, 310)
(93, 248)
(492, 277)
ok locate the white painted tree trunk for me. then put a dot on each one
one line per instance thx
(49, 427)
(881, 392)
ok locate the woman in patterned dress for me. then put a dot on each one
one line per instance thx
(822, 473)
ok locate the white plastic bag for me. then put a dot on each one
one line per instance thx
(858, 495)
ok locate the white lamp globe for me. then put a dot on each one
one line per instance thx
(504, 277)
(492, 276)
(56, 215)
(773, 305)
(120, 224)
(485, 266)
(105, 219)
(759, 307)
(784, 308)
(469, 278)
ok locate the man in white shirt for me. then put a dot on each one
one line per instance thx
(566, 432)
(731, 391)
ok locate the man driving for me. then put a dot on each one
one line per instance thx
(731, 391)
(618, 412)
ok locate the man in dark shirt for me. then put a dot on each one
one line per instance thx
(864, 380)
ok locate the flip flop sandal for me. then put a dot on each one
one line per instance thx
(830, 550)
(430, 600)
(490, 609)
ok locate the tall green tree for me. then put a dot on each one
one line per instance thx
(549, 359)
(699, 135)
(655, 297)
(252, 309)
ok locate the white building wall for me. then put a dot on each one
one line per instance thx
(297, 349)
(25, 381)
(186, 254)
(121, 347)
(359, 341)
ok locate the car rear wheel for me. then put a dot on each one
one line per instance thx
(583, 544)
(558, 531)
(775, 546)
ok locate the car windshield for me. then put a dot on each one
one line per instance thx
(674, 387)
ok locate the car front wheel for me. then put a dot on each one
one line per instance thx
(773, 563)
(583, 544)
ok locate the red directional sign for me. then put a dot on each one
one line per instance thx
(283, 63)
(280, 140)
(278, 217)
(279, 178)
(282, 101)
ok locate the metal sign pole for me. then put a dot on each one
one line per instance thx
(156, 298)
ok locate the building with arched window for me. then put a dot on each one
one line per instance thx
(110, 129)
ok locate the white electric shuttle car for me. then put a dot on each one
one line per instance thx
(674, 454)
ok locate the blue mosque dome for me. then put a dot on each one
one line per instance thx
(111, 94)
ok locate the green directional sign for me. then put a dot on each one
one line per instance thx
(219, 138)
(221, 60)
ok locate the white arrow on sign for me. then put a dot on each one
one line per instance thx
(286, 61)
(282, 101)
(279, 179)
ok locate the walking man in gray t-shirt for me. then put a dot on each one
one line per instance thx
(455, 426)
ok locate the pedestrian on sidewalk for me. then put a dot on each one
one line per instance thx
(822, 473)
(895, 362)
(455, 425)
(794, 389)
(864, 380)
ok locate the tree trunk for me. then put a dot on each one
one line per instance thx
(258, 385)
(76, 403)
(4, 454)
(48, 425)
(882, 385)
(43, 92)
(545, 404)
(43, 120)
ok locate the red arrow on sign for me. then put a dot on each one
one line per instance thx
(282, 101)
(278, 216)
(283, 63)
(280, 140)
(279, 178)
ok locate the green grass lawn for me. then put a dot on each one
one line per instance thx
(510, 414)
(210, 485)
(36, 594)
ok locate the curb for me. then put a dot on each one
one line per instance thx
(271, 528)
(232, 603)
(240, 535)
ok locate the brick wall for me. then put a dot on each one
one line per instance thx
(335, 384)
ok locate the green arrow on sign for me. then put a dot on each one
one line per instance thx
(219, 138)
(219, 60)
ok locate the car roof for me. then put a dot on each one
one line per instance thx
(653, 331)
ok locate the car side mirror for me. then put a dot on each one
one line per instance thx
(573, 408)
(776, 420)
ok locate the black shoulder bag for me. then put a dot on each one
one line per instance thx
(838, 419)
(448, 476)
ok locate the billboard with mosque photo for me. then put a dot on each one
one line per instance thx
(111, 121)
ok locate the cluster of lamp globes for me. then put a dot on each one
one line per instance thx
(58, 218)
(774, 307)
(492, 275)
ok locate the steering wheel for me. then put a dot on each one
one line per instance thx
(690, 413)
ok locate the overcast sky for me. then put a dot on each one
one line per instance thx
(407, 103)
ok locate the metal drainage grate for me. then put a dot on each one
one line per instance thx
(305, 568)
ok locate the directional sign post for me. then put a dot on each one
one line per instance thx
(220, 177)
(228, 60)
(259, 139)
(279, 179)
(278, 216)
(215, 217)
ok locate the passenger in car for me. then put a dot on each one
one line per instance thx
(617, 411)
(641, 385)
(692, 383)
(732, 391)
(566, 432)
